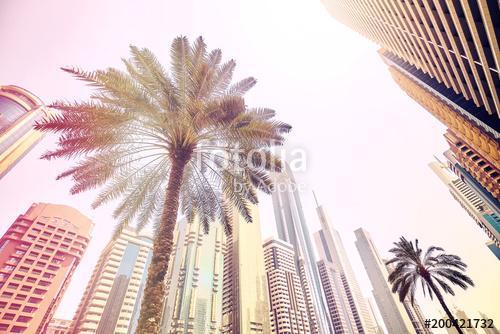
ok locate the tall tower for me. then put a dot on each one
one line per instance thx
(245, 305)
(38, 255)
(287, 304)
(292, 228)
(112, 300)
(19, 110)
(393, 312)
(396, 315)
(194, 280)
(485, 216)
(335, 261)
(445, 55)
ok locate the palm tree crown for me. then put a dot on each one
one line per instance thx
(138, 121)
(434, 270)
(411, 267)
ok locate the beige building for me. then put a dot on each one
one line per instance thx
(194, 280)
(288, 311)
(245, 305)
(111, 302)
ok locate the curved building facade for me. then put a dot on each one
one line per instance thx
(19, 110)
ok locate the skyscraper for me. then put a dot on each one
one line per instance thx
(416, 316)
(484, 215)
(194, 280)
(393, 312)
(245, 305)
(112, 300)
(292, 228)
(287, 304)
(337, 300)
(19, 110)
(38, 255)
(443, 54)
(452, 43)
(335, 261)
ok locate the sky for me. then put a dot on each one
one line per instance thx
(367, 144)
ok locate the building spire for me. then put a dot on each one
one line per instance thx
(315, 199)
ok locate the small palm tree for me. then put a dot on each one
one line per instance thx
(161, 142)
(433, 270)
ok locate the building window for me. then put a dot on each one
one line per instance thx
(14, 307)
(23, 318)
(29, 309)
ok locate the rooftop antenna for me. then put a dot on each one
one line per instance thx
(315, 199)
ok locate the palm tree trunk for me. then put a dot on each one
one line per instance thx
(154, 292)
(445, 307)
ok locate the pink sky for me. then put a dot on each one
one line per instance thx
(368, 144)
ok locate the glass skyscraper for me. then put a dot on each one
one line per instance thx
(292, 228)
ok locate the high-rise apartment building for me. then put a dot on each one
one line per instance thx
(288, 310)
(470, 181)
(194, 280)
(292, 228)
(38, 255)
(445, 55)
(416, 316)
(19, 110)
(393, 312)
(483, 214)
(337, 300)
(245, 305)
(112, 299)
(334, 261)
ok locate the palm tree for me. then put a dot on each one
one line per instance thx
(160, 142)
(433, 270)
